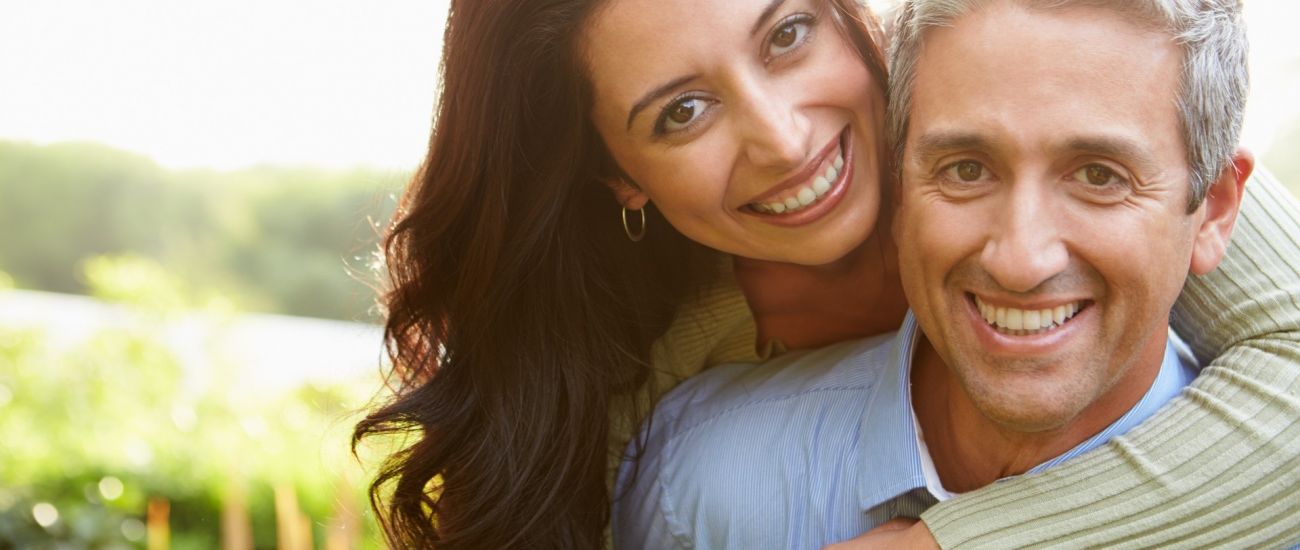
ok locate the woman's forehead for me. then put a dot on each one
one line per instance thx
(633, 45)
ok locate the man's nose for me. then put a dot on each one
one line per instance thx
(775, 132)
(1025, 246)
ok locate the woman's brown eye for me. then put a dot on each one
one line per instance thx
(682, 112)
(969, 171)
(789, 36)
(784, 37)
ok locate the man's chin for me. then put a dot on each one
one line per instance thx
(1022, 421)
(1033, 407)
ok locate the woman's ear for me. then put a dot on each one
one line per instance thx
(1222, 202)
(627, 194)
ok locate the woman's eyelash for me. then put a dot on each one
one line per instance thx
(791, 21)
(662, 121)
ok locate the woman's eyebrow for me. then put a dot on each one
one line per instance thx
(656, 94)
(767, 14)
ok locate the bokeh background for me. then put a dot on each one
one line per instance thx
(190, 202)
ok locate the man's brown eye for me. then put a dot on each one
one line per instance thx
(1099, 175)
(969, 171)
(784, 37)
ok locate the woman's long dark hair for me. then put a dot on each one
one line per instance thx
(517, 309)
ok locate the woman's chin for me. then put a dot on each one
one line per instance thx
(815, 253)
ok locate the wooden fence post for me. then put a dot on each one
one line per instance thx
(236, 528)
(292, 527)
(157, 528)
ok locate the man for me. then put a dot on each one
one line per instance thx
(1064, 166)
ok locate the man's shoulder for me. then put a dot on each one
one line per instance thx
(745, 414)
(725, 391)
(738, 445)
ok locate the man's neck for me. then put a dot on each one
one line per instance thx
(969, 450)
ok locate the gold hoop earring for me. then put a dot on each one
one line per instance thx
(640, 234)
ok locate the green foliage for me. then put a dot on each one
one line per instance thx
(293, 241)
(135, 280)
(177, 249)
(121, 405)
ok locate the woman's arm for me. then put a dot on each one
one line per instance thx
(1218, 466)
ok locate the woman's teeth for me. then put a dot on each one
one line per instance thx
(1023, 322)
(804, 195)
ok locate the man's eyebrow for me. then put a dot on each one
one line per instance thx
(1114, 147)
(934, 144)
(654, 94)
(931, 145)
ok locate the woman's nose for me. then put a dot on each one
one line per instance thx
(775, 132)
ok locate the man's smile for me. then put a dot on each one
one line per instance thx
(1015, 321)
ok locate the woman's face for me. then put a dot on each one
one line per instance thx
(753, 125)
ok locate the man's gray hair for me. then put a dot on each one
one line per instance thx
(1211, 96)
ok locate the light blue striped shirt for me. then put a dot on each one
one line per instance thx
(802, 451)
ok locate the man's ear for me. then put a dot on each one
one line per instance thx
(628, 195)
(1222, 202)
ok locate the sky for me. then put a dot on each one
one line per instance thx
(327, 83)
(225, 84)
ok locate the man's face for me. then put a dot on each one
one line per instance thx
(1043, 226)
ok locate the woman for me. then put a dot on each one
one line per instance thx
(529, 335)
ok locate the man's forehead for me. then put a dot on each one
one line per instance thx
(1064, 79)
(1151, 16)
(1090, 32)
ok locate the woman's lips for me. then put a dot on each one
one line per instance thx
(799, 203)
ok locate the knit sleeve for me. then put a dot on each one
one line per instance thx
(1220, 465)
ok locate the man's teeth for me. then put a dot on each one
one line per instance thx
(807, 194)
(1026, 320)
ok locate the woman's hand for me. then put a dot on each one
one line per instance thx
(895, 533)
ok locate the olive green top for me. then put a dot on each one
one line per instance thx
(1219, 465)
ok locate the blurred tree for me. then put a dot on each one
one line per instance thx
(62, 202)
(293, 241)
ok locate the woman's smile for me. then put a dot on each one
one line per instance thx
(815, 191)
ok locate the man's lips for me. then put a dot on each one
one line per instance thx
(1021, 321)
(1001, 341)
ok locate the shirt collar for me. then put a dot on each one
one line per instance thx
(891, 459)
(893, 462)
(1177, 370)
